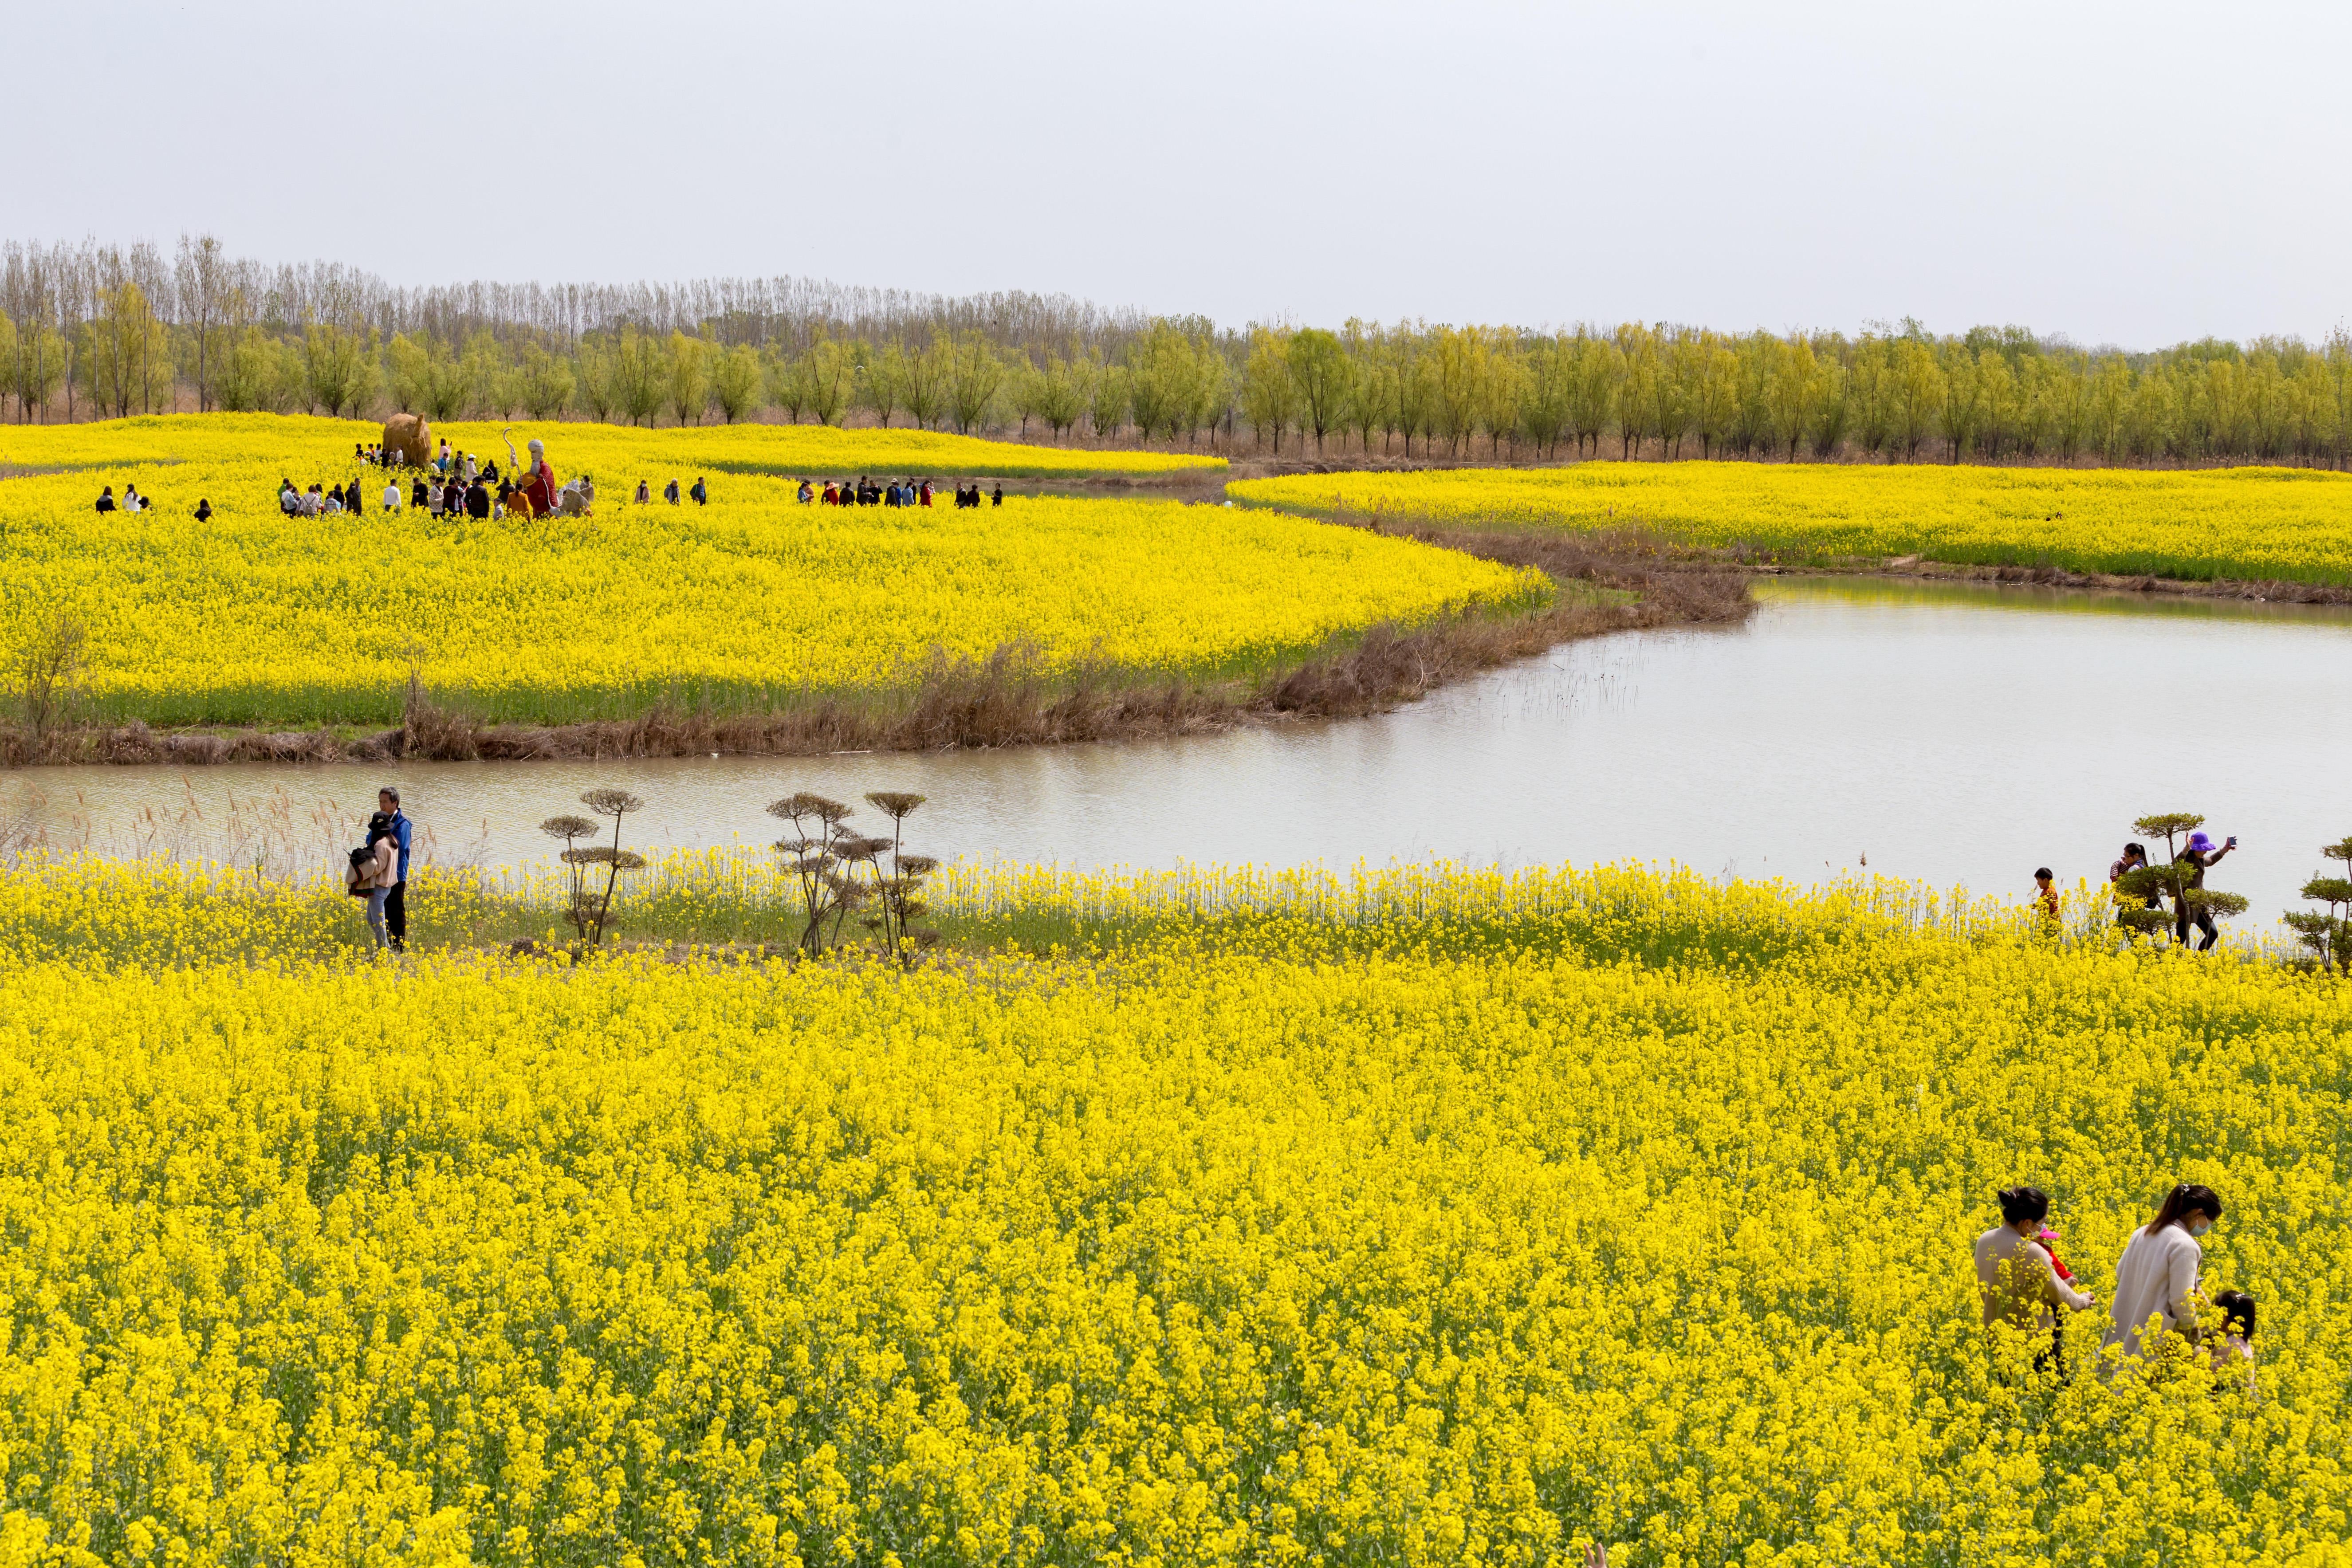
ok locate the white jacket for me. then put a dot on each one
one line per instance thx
(2155, 1279)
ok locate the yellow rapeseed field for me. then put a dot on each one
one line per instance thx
(2258, 524)
(612, 453)
(1415, 1217)
(745, 604)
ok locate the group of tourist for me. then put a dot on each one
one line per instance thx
(453, 484)
(2199, 857)
(700, 494)
(2158, 1309)
(2201, 854)
(133, 502)
(907, 493)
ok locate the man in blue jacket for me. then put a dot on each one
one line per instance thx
(395, 907)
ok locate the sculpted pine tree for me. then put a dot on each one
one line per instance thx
(593, 908)
(2329, 934)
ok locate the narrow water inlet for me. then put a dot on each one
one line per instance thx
(1959, 735)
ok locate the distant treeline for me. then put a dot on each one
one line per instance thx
(95, 331)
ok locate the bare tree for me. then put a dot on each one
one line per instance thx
(202, 276)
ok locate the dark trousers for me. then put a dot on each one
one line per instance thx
(2200, 920)
(396, 916)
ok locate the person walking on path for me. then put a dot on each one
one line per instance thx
(701, 494)
(996, 495)
(392, 496)
(2018, 1281)
(2156, 1278)
(396, 906)
(2197, 858)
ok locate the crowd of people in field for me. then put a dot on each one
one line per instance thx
(457, 484)
(898, 492)
(2158, 1311)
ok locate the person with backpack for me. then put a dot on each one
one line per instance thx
(370, 875)
(701, 496)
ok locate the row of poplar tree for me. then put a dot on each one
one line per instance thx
(147, 337)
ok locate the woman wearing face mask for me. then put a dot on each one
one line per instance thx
(2156, 1278)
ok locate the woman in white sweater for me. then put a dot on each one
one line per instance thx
(2156, 1278)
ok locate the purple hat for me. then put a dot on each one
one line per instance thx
(2200, 842)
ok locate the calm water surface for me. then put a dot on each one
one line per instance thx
(1959, 735)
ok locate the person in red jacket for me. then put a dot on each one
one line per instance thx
(537, 487)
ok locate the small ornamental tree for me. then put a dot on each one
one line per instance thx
(2330, 934)
(824, 856)
(571, 828)
(812, 854)
(899, 897)
(592, 908)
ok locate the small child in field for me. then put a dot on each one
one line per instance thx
(2047, 1240)
(2045, 894)
(2235, 1353)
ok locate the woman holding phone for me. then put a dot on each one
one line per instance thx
(2197, 859)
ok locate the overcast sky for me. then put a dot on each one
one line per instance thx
(2135, 173)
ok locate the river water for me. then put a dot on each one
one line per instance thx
(1957, 735)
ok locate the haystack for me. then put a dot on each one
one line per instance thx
(408, 435)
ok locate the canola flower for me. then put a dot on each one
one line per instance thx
(1289, 1229)
(612, 453)
(2253, 524)
(744, 605)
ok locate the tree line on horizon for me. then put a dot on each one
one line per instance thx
(91, 332)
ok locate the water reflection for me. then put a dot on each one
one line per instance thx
(1959, 734)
